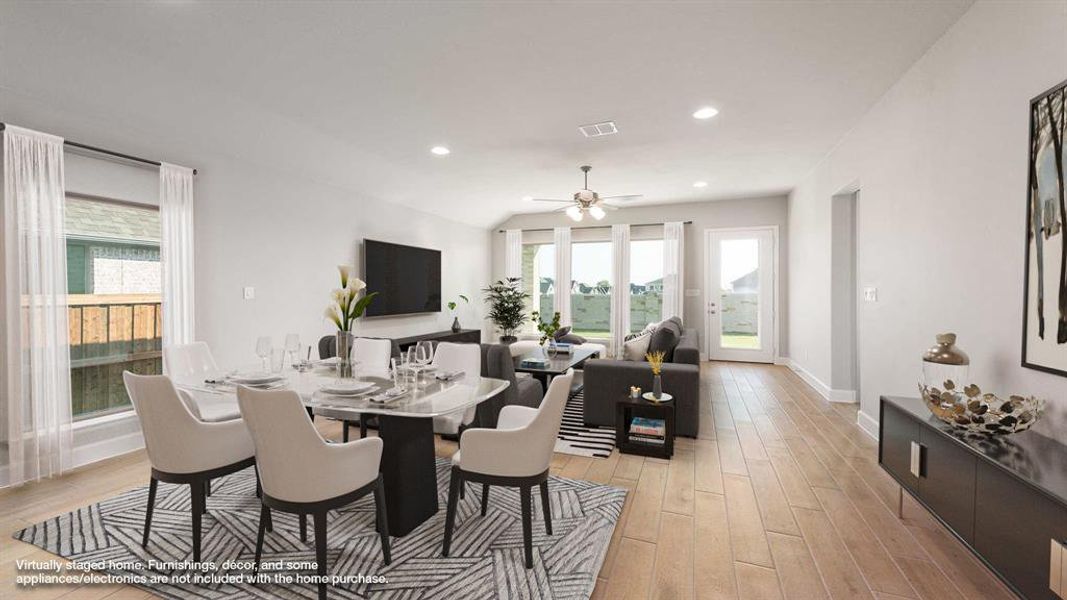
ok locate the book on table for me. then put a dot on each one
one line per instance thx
(646, 426)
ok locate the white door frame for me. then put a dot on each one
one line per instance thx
(709, 288)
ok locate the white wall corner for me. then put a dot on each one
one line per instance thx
(868, 424)
(783, 361)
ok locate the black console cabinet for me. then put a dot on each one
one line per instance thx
(463, 336)
(1005, 498)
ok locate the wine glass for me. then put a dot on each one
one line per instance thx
(263, 347)
(292, 347)
(424, 353)
(412, 362)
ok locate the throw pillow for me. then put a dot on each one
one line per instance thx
(635, 348)
(572, 338)
(664, 339)
(561, 332)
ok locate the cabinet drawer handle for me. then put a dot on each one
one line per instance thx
(917, 451)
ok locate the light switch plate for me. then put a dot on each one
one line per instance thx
(249, 293)
(870, 294)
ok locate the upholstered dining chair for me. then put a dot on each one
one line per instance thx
(465, 358)
(183, 449)
(304, 474)
(194, 362)
(515, 454)
(372, 356)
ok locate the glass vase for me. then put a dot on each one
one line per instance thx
(344, 354)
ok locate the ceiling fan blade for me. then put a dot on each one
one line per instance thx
(629, 198)
(549, 200)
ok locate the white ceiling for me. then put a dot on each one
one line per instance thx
(356, 94)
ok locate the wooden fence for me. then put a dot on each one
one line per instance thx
(110, 334)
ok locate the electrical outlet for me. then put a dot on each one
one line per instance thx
(870, 294)
(250, 293)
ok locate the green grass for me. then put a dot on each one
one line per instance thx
(742, 341)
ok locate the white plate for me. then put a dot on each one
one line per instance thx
(347, 388)
(255, 378)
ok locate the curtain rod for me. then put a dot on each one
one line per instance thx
(89, 148)
(597, 226)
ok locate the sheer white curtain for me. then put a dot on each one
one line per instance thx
(562, 302)
(35, 407)
(673, 269)
(513, 253)
(620, 287)
(176, 252)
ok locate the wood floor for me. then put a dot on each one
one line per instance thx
(780, 497)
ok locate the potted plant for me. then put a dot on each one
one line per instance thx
(548, 332)
(346, 307)
(452, 308)
(506, 302)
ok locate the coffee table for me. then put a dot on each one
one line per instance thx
(556, 366)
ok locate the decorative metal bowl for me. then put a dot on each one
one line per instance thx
(971, 411)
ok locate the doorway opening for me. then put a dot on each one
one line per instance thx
(844, 298)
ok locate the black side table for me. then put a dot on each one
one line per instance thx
(627, 409)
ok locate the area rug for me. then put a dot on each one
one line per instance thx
(578, 439)
(486, 559)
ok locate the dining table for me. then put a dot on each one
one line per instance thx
(405, 425)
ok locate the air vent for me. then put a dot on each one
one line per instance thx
(599, 129)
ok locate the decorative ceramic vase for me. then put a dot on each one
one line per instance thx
(344, 353)
(657, 387)
(455, 325)
(550, 350)
(945, 362)
(508, 339)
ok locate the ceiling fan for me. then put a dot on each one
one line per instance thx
(587, 201)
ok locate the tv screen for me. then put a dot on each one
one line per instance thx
(407, 279)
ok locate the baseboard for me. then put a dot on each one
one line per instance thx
(813, 381)
(868, 424)
(843, 396)
(90, 453)
(784, 361)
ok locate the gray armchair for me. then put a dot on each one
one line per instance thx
(606, 381)
(523, 391)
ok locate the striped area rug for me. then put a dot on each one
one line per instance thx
(576, 438)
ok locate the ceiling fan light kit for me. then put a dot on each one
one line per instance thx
(587, 201)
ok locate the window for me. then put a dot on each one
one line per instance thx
(538, 280)
(646, 283)
(591, 289)
(113, 285)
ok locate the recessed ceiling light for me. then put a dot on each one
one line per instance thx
(440, 150)
(700, 184)
(527, 198)
(706, 112)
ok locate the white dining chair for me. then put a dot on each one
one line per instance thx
(465, 358)
(304, 474)
(515, 454)
(183, 449)
(193, 363)
(372, 356)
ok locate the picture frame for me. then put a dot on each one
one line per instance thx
(1044, 332)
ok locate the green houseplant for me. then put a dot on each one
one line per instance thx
(506, 302)
(452, 308)
(548, 332)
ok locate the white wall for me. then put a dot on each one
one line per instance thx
(284, 237)
(941, 162)
(743, 212)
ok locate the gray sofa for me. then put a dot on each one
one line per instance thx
(606, 381)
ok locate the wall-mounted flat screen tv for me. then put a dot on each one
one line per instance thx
(407, 279)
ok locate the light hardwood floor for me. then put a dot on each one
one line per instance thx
(781, 496)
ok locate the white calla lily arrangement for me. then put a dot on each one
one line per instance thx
(347, 305)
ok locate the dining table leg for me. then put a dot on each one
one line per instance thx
(409, 471)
